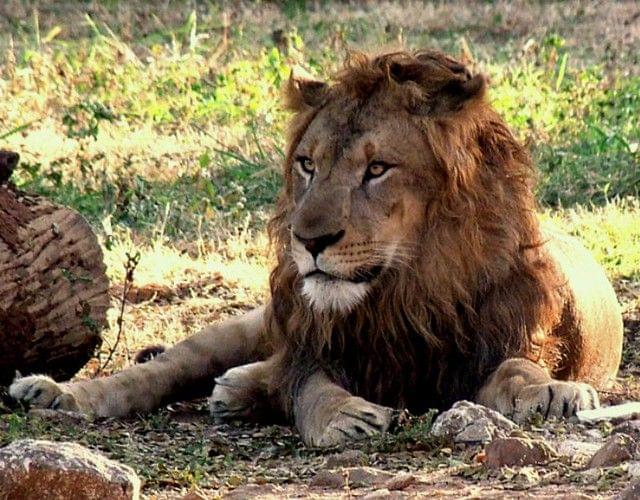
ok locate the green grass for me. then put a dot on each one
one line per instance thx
(210, 130)
(611, 232)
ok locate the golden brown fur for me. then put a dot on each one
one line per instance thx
(411, 272)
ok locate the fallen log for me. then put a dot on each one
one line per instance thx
(53, 286)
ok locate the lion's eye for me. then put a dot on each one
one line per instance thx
(376, 169)
(306, 164)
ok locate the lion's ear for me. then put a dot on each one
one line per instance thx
(446, 84)
(453, 95)
(303, 92)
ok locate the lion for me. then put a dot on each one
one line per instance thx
(412, 272)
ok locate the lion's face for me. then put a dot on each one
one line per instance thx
(359, 180)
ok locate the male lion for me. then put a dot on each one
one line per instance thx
(411, 272)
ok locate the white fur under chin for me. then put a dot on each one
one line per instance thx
(333, 295)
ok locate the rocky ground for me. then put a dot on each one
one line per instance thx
(178, 452)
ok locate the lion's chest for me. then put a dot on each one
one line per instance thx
(407, 374)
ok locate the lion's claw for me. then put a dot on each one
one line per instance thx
(555, 399)
(356, 419)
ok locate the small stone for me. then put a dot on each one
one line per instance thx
(468, 422)
(633, 469)
(328, 479)
(575, 449)
(378, 494)
(632, 492)
(631, 427)
(32, 468)
(400, 482)
(617, 449)
(367, 476)
(347, 458)
(518, 451)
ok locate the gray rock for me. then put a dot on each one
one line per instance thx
(618, 448)
(34, 469)
(468, 422)
(594, 434)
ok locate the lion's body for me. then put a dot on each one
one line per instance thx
(412, 272)
(590, 328)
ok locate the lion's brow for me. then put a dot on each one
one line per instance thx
(349, 132)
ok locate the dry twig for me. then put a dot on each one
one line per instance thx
(130, 266)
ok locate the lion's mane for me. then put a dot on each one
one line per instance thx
(482, 289)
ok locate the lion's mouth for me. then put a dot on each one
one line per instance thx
(363, 275)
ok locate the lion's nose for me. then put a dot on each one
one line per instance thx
(316, 245)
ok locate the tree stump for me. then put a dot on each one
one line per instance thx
(53, 287)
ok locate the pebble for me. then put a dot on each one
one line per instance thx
(518, 451)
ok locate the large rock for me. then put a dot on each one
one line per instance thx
(468, 422)
(33, 469)
(518, 451)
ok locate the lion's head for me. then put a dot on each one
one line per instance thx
(407, 211)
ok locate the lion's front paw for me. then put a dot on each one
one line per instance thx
(40, 391)
(236, 394)
(355, 419)
(555, 399)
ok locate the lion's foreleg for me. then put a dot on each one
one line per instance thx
(519, 388)
(326, 414)
(186, 370)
